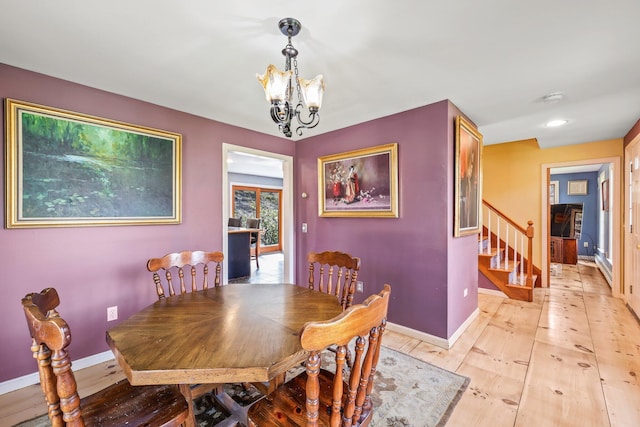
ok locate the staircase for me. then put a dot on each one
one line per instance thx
(504, 251)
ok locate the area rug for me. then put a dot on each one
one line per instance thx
(407, 392)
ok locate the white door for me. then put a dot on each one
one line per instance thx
(634, 228)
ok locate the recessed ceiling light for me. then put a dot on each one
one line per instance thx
(556, 123)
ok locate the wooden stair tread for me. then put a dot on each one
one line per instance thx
(533, 280)
(488, 255)
(513, 291)
(511, 266)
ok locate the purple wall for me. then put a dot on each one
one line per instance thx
(415, 253)
(485, 283)
(97, 267)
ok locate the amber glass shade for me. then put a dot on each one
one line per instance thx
(275, 83)
(312, 91)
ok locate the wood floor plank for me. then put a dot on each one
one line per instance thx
(27, 403)
(563, 389)
(399, 341)
(616, 337)
(21, 405)
(491, 400)
(563, 321)
(501, 352)
(452, 358)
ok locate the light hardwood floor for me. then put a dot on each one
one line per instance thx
(570, 358)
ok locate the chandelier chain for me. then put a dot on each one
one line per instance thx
(295, 68)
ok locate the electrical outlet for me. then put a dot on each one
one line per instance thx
(304, 227)
(586, 244)
(360, 286)
(112, 313)
(466, 292)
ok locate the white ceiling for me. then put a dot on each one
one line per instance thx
(576, 169)
(250, 164)
(494, 59)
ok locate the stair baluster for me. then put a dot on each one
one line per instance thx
(514, 276)
(506, 247)
(521, 252)
(489, 232)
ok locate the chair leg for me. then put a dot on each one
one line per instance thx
(258, 252)
(258, 256)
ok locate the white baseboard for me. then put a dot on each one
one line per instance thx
(432, 339)
(34, 378)
(606, 271)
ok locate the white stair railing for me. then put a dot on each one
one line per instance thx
(508, 239)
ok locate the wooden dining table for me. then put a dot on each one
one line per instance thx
(227, 334)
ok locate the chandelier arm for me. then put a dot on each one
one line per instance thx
(314, 119)
(314, 116)
(281, 112)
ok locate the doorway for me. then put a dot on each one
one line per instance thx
(614, 214)
(264, 203)
(285, 163)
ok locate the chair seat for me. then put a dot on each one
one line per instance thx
(291, 395)
(122, 404)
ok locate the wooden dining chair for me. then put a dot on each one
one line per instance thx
(118, 405)
(255, 223)
(335, 273)
(336, 397)
(234, 222)
(195, 262)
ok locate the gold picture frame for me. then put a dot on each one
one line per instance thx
(468, 178)
(67, 169)
(359, 183)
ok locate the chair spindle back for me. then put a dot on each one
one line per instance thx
(191, 261)
(335, 273)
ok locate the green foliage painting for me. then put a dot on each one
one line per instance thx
(72, 169)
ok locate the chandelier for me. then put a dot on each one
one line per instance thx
(278, 88)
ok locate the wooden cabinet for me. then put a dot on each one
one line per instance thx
(563, 250)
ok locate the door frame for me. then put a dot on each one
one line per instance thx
(629, 242)
(288, 240)
(259, 190)
(617, 252)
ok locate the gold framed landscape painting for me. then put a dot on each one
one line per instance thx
(359, 183)
(67, 169)
(468, 178)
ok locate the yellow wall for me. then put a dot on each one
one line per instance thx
(512, 177)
